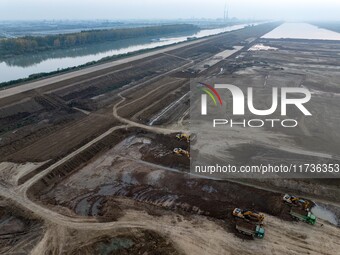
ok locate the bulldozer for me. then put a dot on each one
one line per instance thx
(248, 215)
(296, 201)
(183, 137)
(182, 152)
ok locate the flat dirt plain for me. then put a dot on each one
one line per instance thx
(87, 164)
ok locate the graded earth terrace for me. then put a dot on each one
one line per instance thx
(88, 159)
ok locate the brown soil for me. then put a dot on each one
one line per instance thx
(18, 232)
(140, 242)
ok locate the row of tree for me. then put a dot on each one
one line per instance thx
(29, 44)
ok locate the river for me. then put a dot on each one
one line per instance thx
(23, 66)
(302, 31)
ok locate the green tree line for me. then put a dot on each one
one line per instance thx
(29, 44)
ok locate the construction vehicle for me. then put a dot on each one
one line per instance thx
(303, 215)
(182, 152)
(248, 215)
(250, 229)
(183, 137)
(296, 201)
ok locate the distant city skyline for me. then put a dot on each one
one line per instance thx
(168, 9)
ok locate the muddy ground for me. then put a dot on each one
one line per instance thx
(19, 232)
(144, 168)
(141, 242)
(31, 120)
(131, 177)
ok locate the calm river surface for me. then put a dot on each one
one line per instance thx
(23, 66)
(302, 31)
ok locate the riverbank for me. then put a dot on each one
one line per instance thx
(54, 64)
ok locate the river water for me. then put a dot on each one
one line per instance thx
(23, 66)
(302, 31)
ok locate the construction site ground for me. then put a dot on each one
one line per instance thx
(87, 163)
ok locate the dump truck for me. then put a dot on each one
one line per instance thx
(250, 229)
(303, 215)
(248, 215)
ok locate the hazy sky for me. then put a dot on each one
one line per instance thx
(169, 9)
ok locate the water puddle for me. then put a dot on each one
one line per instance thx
(325, 214)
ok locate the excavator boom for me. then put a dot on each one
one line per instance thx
(248, 215)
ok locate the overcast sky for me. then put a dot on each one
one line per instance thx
(169, 9)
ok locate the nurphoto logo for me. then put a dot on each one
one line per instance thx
(287, 96)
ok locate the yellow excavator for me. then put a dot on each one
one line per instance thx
(182, 152)
(296, 201)
(183, 137)
(248, 215)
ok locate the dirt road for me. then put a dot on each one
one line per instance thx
(119, 105)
